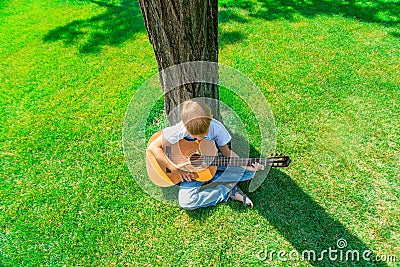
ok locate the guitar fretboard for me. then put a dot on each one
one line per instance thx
(234, 161)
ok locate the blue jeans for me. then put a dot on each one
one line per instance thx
(194, 194)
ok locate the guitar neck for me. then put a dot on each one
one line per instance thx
(235, 161)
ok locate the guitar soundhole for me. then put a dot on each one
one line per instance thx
(196, 160)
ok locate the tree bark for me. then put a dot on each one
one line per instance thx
(183, 31)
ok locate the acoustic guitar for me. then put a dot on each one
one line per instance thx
(203, 158)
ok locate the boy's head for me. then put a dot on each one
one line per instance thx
(196, 116)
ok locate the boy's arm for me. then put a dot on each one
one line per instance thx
(156, 148)
(227, 152)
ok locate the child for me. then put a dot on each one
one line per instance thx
(197, 124)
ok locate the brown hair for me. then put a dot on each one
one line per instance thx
(196, 116)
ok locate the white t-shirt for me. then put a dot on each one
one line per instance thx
(217, 133)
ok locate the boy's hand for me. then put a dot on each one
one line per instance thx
(186, 177)
(182, 167)
(255, 167)
(184, 173)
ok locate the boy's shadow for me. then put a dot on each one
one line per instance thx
(302, 222)
(306, 225)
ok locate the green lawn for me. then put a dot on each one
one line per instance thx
(328, 69)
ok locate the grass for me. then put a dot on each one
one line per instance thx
(328, 69)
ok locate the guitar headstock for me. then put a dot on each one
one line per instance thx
(278, 161)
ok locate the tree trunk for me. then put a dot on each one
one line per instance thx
(183, 31)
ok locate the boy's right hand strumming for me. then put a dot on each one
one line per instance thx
(184, 173)
(156, 148)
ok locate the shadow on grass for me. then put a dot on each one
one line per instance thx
(395, 34)
(116, 25)
(121, 21)
(305, 224)
(226, 38)
(301, 221)
(386, 13)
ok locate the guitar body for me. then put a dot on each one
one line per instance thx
(203, 159)
(181, 152)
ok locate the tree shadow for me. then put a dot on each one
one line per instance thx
(119, 22)
(383, 12)
(386, 13)
(116, 25)
(395, 34)
(227, 15)
(306, 225)
(315, 235)
(301, 221)
(226, 38)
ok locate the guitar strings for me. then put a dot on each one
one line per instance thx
(236, 161)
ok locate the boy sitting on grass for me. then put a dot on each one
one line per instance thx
(197, 124)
